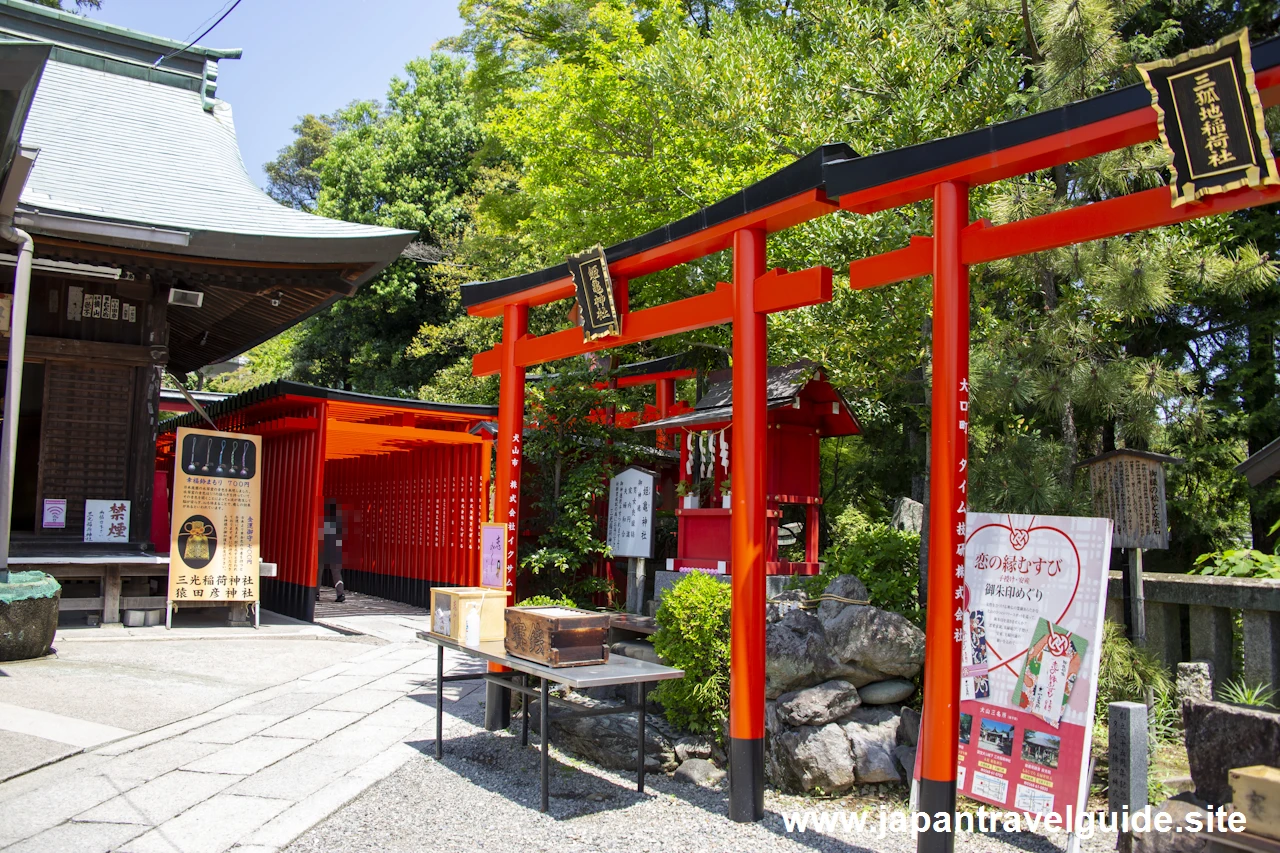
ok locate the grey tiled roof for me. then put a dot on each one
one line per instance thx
(128, 150)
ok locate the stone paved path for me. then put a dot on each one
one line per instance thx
(250, 775)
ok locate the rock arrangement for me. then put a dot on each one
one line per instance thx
(835, 681)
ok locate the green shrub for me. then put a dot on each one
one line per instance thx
(1124, 674)
(885, 559)
(693, 635)
(547, 601)
(1238, 563)
(1239, 692)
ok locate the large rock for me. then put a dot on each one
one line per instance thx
(855, 673)
(906, 758)
(844, 586)
(783, 603)
(812, 758)
(609, 741)
(693, 746)
(1221, 737)
(876, 639)
(1180, 838)
(795, 653)
(699, 771)
(889, 692)
(28, 615)
(909, 726)
(817, 706)
(873, 736)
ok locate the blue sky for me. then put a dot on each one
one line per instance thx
(300, 56)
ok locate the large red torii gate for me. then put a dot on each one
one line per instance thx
(829, 179)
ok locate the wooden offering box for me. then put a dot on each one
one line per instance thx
(449, 607)
(557, 636)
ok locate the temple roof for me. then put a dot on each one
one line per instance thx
(138, 168)
(786, 386)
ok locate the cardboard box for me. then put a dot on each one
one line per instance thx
(1255, 792)
(452, 606)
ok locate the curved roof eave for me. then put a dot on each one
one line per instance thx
(136, 164)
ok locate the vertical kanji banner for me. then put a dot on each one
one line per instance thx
(1032, 608)
(215, 543)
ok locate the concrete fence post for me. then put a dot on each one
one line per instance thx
(1262, 647)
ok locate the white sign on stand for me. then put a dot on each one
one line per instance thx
(631, 496)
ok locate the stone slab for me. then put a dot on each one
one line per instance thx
(248, 756)
(289, 704)
(363, 701)
(300, 775)
(211, 827)
(313, 725)
(78, 838)
(152, 762)
(46, 807)
(233, 729)
(159, 800)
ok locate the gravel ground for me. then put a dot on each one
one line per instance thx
(484, 796)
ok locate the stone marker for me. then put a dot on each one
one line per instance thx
(1127, 756)
(1195, 681)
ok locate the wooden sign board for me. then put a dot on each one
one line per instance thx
(596, 306)
(630, 528)
(215, 544)
(1210, 119)
(1128, 488)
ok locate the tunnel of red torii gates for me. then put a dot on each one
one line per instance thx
(835, 178)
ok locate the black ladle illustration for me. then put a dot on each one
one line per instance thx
(208, 452)
(232, 469)
(191, 466)
(221, 450)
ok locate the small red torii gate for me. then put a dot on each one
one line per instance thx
(830, 179)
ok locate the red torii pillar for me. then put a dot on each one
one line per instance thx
(506, 510)
(746, 680)
(948, 496)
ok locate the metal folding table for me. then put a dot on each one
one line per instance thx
(618, 670)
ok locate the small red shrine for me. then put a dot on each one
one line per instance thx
(803, 409)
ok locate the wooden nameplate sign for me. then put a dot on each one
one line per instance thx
(557, 636)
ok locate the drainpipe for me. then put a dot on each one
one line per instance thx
(13, 184)
(13, 395)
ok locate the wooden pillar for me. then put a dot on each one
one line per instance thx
(664, 397)
(748, 454)
(506, 510)
(948, 484)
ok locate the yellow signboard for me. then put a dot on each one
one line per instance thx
(216, 529)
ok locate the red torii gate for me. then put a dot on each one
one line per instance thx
(829, 179)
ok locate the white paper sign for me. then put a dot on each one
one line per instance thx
(631, 513)
(106, 521)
